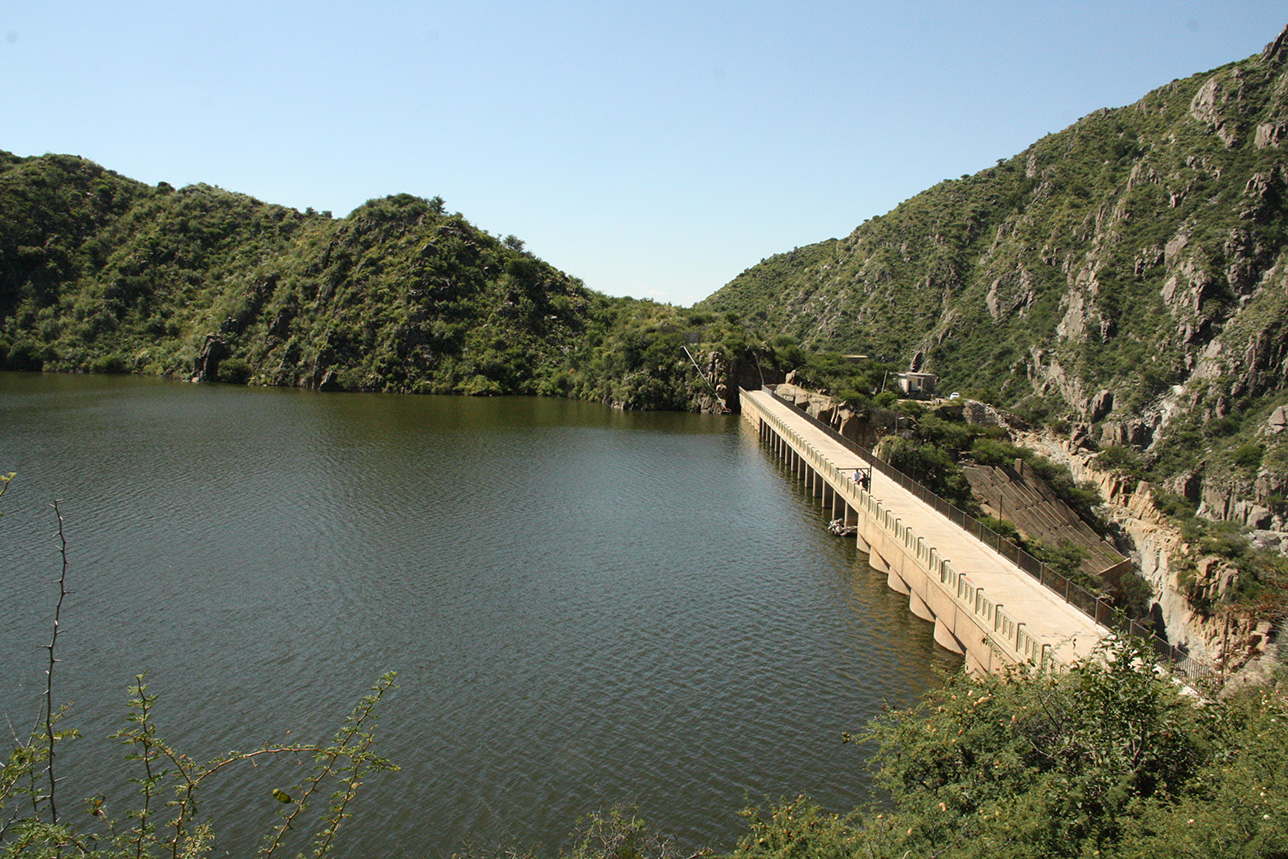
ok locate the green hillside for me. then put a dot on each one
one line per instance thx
(100, 273)
(1123, 279)
(108, 274)
(1126, 278)
(1107, 255)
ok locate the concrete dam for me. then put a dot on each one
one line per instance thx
(983, 605)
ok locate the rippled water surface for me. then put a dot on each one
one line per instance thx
(584, 607)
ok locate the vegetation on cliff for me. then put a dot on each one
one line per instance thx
(1125, 280)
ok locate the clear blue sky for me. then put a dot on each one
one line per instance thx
(653, 149)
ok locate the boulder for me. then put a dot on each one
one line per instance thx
(1129, 433)
(1278, 421)
(1101, 405)
(1214, 576)
(329, 382)
(980, 414)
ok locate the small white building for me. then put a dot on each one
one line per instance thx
(917, 384)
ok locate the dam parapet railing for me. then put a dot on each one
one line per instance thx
(1009, 632)
(1098, 608)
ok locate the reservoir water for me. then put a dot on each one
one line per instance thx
(585, 607)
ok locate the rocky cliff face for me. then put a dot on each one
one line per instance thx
(865, 427)
(1125, 279)
(1185, 582)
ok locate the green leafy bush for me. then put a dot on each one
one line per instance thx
(108, 364)
(797, 829)
(1171, 504)
(932, 466)
(1064, 558)
(1123, 460)
(235, 371)
(1248, 455)
(1109, 758)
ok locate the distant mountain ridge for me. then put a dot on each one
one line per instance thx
(104, 273)
(1125, 279)
(101, 273)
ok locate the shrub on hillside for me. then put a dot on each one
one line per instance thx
(1110, 758)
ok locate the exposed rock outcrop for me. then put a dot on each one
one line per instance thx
(862, 427)
(213, 352)
(1127, 275)
(1182, 584)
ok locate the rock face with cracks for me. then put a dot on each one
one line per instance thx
(1234, 642)
(1127, 276)
(1184, 584)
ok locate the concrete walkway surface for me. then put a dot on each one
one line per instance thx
(1071, 633)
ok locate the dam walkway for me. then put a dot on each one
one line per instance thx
(983, 605)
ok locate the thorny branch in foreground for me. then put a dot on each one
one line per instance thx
(31, 824)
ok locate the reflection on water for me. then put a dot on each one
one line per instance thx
(584, 606)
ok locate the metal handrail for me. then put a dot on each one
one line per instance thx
(1008, 630)
(1094, 606)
